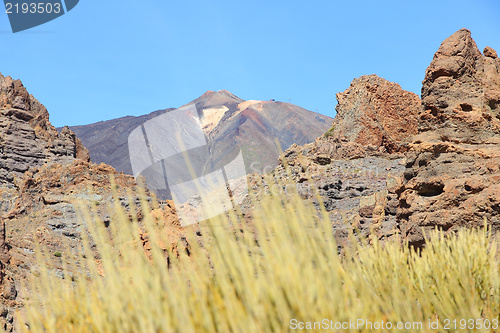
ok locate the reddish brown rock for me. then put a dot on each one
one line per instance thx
(356, 167)
(489, 52)
(452, 178)
(461, 92)
(374, 111)
(27, 138)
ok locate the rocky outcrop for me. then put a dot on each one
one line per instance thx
(452, 178)
(27, 139)
(27, 142)
(355, 184)
(374, 111)
(45, 176)
(45, 210)
(355, 169)
(461, 92)
(357, 166)
(396, 165)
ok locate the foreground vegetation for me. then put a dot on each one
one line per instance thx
(274, 274)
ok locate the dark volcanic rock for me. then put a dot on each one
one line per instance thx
(374, 111)
(453, 170)
(356, 184)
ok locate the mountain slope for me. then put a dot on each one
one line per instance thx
(107, 140)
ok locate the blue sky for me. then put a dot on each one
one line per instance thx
(107, 59)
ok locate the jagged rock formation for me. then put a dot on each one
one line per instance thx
(44, 177)
(437, 161)
(453, 170)
(357, 168)
(374, 111)
(27, 139)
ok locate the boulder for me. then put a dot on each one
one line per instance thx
(489, 52)
(374, 111)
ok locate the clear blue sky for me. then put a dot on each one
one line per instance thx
(111, 58)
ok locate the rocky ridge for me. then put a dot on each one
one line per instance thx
(27, 139)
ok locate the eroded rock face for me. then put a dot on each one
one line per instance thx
(44, 178)
(27, 139)
(357, 184)
(461, 92)
(45, 210)
(357, 166)
(374, 111)
(452, 178)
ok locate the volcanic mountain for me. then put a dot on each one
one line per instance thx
(259, 129)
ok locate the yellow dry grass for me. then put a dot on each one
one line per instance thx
(260, 277)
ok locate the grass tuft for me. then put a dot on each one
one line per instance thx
(259, 276)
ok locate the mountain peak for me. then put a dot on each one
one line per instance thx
(223, 92)
(207, 93)
(215, 98)
(227, 93)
